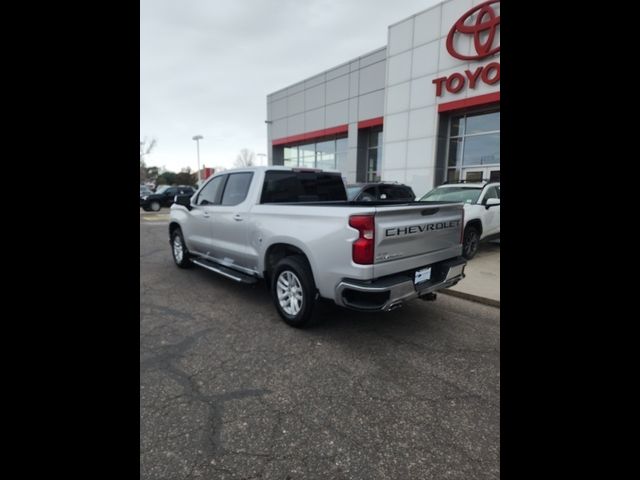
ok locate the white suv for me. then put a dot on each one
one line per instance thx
(481, 210)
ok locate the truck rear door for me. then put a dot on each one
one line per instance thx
(230, 224)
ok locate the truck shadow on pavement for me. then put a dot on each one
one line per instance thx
(330, 319)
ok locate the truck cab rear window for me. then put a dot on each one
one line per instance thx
(285, 186)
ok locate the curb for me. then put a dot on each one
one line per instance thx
(474, 298)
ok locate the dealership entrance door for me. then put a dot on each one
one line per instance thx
(479, 174)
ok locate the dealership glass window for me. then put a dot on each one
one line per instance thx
(307, 155)
(474, 140)
(374, 154)
(291, 156)
(474, 176)
(484, 122)
(482, 150)
(457, 127)
(341, 153)
(455, 152)
(324, 154)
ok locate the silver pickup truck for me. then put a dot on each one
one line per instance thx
(295, 229)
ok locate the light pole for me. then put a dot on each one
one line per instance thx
(197, 138)
(261, 155)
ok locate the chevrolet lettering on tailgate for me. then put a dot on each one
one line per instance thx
(394, 232)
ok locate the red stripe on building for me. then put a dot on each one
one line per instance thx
(372, 122)
(311, 135)
(469, 102)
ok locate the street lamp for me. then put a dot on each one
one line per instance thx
(197, 138)
(261, 155)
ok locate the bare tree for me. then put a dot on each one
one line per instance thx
(246, 158)
(145, 149)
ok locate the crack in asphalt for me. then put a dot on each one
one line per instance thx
(163, 361)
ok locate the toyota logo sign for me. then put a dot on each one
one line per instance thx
(486, 24)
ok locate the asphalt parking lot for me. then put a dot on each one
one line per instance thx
(228, 391)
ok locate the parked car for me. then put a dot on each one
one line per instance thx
(144, 191)
(481, 211)
(368, 192)
(163, 197)
(296, 229)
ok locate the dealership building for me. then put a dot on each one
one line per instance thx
(422, 110)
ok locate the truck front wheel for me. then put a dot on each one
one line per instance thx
(294, 291)
(179, 249)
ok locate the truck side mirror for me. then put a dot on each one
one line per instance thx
(184, 200)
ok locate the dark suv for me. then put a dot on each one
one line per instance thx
(163, 197)
(380, 191)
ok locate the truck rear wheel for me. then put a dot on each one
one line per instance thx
(294, 291)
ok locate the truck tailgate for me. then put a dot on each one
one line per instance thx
(415, 235)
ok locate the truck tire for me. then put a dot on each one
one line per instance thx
(294, 291)
(470, 242)
(155, 206)
(179, 249)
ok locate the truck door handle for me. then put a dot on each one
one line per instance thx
(237, 217)
(205, 214)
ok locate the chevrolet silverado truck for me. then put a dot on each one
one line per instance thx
(295, 229)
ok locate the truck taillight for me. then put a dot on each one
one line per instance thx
(363, 247)
(462, 227)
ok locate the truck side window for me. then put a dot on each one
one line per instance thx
(236, 189)
(210, 194)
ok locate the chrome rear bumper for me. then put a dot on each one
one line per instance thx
(391, 292)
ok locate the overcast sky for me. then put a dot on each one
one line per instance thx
(206, 66)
